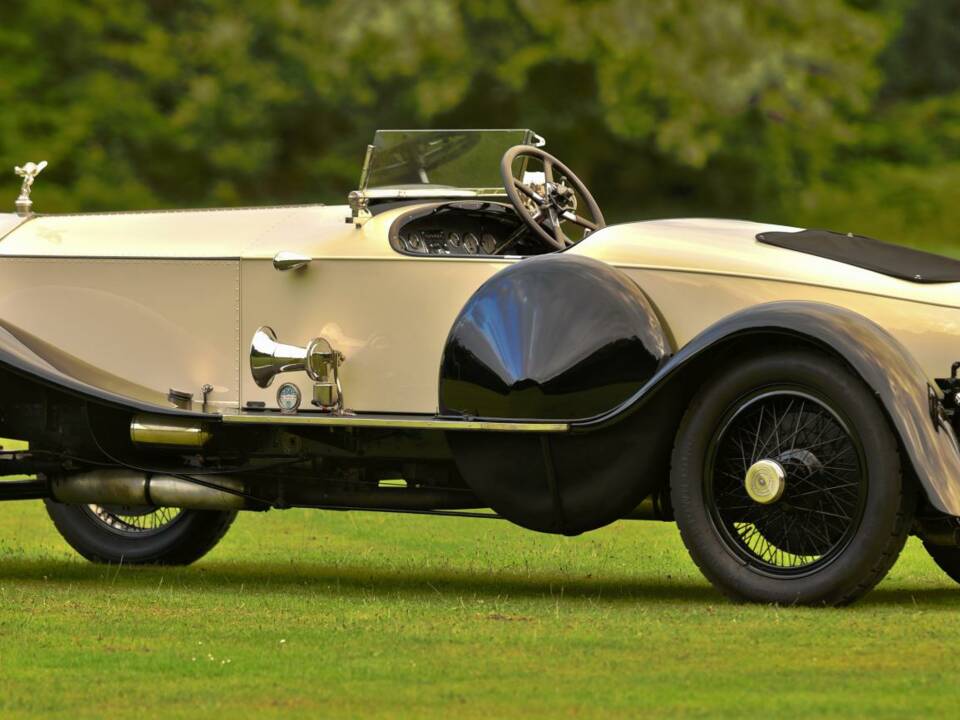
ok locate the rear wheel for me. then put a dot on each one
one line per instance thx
(786, 482)
(163, 536)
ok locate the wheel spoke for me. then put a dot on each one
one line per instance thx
(824, 480)
(130, 521)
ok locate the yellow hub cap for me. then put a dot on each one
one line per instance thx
(765, 481)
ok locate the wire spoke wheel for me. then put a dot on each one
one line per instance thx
(785, 482)
(134, 521)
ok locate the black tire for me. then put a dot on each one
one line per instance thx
(109, 535)
(947, 559)
(843, 516)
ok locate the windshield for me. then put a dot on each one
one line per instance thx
(419, 160)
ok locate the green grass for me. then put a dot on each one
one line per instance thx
(308, 614)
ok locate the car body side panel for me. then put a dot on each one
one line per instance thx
(150, 324)
(389, 317)
(692, 302)
(38, 362)
(885, 365)
(696, 271)
(729, 248)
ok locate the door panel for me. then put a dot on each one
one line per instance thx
(389, 317)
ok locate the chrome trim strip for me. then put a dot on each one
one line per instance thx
(404, 422)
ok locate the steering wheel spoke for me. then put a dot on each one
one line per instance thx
(545, 212)
(529, 192)
(579, 220)
(556, 224)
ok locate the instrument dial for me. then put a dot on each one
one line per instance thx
(488, 243)
(471, 244)
(414, 243)
(454, 242)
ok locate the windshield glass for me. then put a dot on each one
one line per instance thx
(412, 160)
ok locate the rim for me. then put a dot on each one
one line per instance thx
(134, 521)
(822, 502)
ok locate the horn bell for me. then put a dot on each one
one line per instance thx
(269, 358)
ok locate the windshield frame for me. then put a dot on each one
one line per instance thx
(413, 146)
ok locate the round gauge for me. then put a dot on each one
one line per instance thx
(414, 243)
(471, 244)
(488, 243)
(288, 398)
(454, 241)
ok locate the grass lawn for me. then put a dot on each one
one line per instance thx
(310, 614)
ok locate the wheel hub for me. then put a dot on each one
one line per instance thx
(765, 481)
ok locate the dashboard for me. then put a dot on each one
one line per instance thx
(438, 241)
(463, 229)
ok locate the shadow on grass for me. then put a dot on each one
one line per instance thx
(404, 583)
(366, 580)
(939, 596)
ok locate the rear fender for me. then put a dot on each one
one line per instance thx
(910, 398)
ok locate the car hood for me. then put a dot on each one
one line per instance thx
(191, 234)
(730, 247)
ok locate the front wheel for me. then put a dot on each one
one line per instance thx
(786, 482)
(139, 536)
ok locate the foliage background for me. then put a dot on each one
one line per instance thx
(837, 113)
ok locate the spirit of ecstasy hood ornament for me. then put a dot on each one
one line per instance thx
(29, 173)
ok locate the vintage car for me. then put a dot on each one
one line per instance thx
(468, 337)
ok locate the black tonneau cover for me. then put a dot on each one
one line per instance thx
(893, 260)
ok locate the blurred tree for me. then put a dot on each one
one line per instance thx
(924, 58)
(744, 107)
(897, 176)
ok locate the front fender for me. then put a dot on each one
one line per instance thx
(883, 363)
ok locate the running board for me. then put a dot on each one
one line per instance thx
(387, 421)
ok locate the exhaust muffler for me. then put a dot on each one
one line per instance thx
(127, 487)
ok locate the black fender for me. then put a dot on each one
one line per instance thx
(556, 336)
(27, 361)
(909, 397)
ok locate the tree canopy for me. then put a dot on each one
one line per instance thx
(840, 113)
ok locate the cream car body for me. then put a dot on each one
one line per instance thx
(184, 292)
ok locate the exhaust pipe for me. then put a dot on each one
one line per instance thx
(126, 487)
(168, 431)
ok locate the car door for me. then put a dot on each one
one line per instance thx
(388, 313)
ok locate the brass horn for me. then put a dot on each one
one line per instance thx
(269, 358)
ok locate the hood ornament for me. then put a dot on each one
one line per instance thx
(29, 173)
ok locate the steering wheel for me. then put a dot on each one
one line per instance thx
(545, 207)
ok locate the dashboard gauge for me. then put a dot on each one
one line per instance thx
(414, 243)
(488, 243)
(454, 241)
(471, 245)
